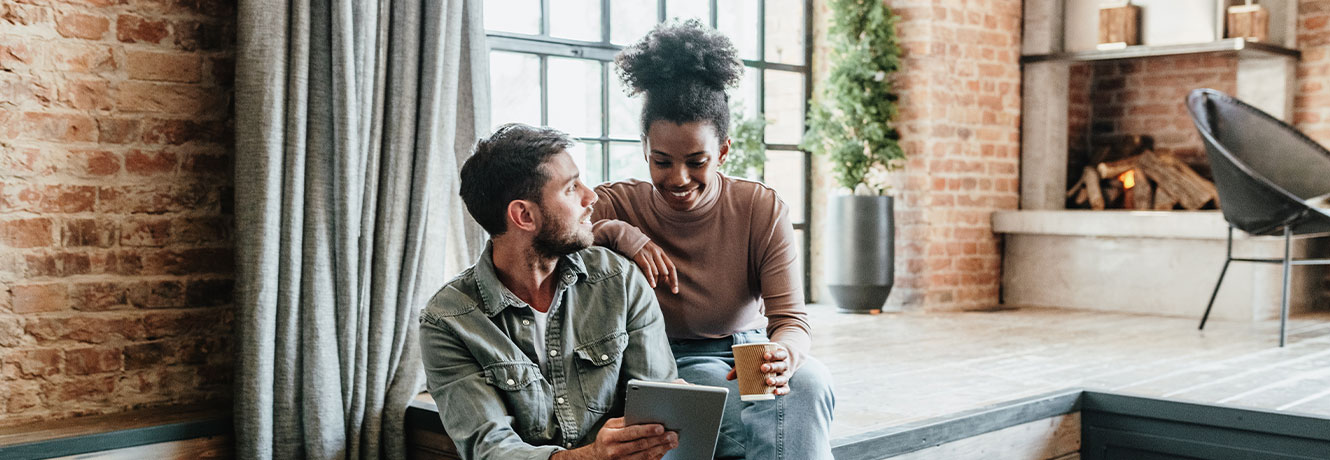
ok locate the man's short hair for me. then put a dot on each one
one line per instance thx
(506, 167)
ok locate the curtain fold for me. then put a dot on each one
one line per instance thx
(352, 120)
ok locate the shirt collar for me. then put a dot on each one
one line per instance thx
(495, 297)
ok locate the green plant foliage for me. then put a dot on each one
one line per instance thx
(748, 153)
(852, 121)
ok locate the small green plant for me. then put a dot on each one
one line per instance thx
(852, 119)
(748, 153)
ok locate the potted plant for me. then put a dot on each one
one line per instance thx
(851, 122)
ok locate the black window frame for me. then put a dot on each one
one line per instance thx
(545, 46)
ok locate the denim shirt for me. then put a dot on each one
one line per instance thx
(477, 342)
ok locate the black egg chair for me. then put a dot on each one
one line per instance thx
(1268, 174)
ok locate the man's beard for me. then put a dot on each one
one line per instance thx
(554, 240)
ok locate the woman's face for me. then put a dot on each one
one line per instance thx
(683, 159)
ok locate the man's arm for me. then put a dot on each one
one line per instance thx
(648, 355)
(472, 411)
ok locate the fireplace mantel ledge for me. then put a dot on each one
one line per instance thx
(1201, 225)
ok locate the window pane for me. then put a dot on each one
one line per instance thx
(785, 174)
(574, 104)
(515, 88)
(627, 161)
(630, 20)
(588, 159)
(785, 106)
(785, 31)
(625, 112)
(738, 20)
(745, 96)
(575, 19)
(685, 9)
(517, 16)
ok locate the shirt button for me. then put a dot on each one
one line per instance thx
(604, 357)
(526, 322)
(554, 352)
(512, 382)
(568, 445)
(559, 400)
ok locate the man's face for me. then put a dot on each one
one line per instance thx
(565, 209)
(683, 159)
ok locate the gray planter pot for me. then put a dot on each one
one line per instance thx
(860, 247)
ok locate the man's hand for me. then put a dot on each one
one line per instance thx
(776, 362)
(657, 266)
(618, 441)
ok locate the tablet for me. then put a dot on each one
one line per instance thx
(692, 411)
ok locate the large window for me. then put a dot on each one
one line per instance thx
(551, 64)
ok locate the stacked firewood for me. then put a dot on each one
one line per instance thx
(1159, 181)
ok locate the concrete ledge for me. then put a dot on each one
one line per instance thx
(1148, 262)
(1136, 224)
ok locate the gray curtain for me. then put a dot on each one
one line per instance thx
(352, 118)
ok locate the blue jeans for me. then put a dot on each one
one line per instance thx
(762, 430)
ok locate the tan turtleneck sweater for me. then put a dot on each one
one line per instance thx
(734, 251)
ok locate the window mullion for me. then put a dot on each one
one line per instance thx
(605, 117)
(605, 21)
(545, 17)
(762, 74)
(808, 156)
(544, 90)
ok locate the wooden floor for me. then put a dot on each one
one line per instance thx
(895, 368)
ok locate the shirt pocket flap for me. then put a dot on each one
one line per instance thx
(604, 351)
(512, 376)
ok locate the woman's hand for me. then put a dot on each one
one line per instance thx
(657, 266)
(777, 362)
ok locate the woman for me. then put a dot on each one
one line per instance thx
(720, 251)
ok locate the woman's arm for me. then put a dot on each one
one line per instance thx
(776, 263)
(625, 239)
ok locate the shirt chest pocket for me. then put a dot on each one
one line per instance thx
(525, 394)
(598, 365)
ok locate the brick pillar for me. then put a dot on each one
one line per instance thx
(1311, 101)
(115, 214)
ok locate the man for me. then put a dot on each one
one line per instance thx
(528, 352)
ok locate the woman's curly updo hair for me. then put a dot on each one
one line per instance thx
(682, 69)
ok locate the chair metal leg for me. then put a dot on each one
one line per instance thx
(1283, 305)
(1227, 259)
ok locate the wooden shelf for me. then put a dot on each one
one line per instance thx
(1242, 47)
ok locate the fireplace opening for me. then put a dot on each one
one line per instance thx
(1131, 174)
(1127, 121)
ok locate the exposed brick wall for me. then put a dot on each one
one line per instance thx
(960, 124)
(115, 214)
